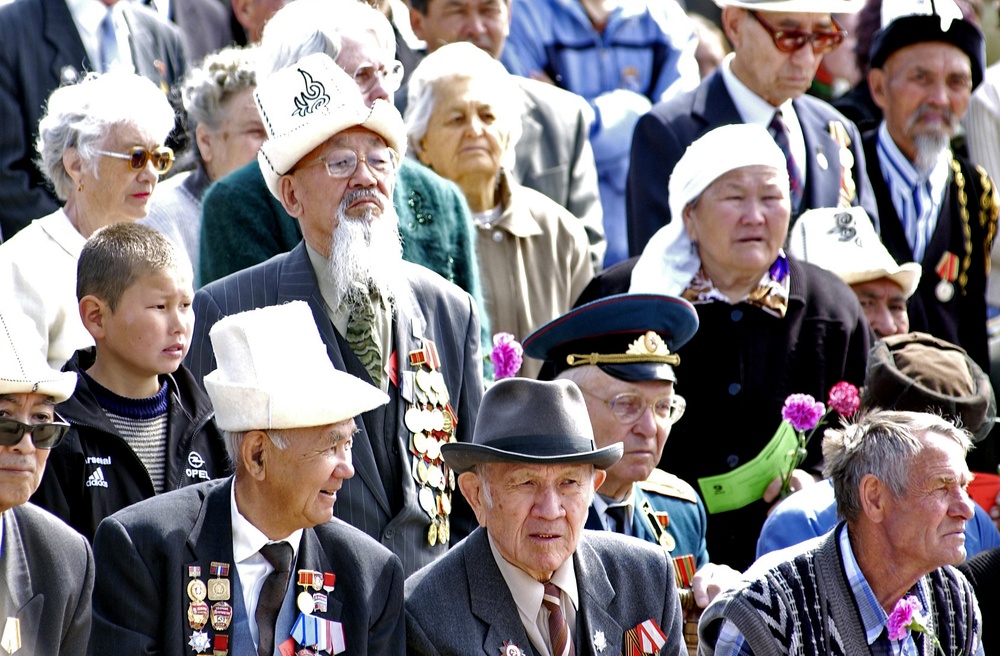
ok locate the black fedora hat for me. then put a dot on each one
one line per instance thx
(631, 337)
(534, 422)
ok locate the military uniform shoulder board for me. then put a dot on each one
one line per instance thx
(660, 482)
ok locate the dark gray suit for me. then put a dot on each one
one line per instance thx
(46, 581)
(40, 49)
(461, 604)
(204, 25)
(143, 553)
(663, 134)
(381, 499)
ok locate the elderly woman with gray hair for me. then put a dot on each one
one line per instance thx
(770, 325)
(100, 145)
(534, 256)
(218, 99)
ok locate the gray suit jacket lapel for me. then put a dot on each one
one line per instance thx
(312, 556)
(596, 596)
(490, 599)
(822, 156)
(23, 602)
(297, 282)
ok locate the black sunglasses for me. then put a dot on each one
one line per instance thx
(792, 40)
(43, 436)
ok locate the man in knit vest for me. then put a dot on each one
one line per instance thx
(900, 482)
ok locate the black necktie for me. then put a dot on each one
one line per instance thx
(279, 554)
(617, 514)
(779, 131)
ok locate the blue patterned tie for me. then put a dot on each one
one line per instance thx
(779, 131)
(109, 42)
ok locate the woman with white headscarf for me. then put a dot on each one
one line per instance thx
(770, 325)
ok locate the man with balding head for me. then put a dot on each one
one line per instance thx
(777, 48)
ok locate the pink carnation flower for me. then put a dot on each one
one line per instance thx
(902, 616)
(802, 411)
(506, 356)
(844, 399)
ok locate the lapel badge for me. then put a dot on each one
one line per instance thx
(329, 581)
(510, 649)
(199, 642)
(220, 645)
(11, 639)
(218, 588)
(600, 642)
(222, 615)
(821, 160)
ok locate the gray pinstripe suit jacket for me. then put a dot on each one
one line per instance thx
(461, 604)
(432, 307)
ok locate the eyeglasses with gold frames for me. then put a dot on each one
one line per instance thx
(137, 156)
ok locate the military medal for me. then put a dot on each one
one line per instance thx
(510, 649)
(220, 645)
(600, 641)
(222, 615)
(329, 581)
(199, 642)
(947, 270)
(218, 588)
(198, 615)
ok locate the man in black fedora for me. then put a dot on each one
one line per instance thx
(531, 580)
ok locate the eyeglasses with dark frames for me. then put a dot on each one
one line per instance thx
(137, 156)
(792, 40)
(43, 436)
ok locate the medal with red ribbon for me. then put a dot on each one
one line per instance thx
(947, 271)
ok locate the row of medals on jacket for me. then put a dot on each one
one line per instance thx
(431, 422)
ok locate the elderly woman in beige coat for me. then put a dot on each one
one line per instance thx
(462, 121)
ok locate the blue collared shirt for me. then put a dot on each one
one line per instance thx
(917, 196)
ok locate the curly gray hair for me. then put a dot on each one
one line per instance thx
(82, 115)
(462, 61)
(220, 76)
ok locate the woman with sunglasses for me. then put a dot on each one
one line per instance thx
(100, 146)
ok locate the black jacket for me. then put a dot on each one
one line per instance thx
(94, 473)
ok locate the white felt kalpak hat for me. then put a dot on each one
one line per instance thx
(23, 365)
(274, 372)
(809, 6)
(844, 241)
(307, 103)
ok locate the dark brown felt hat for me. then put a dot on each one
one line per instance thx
(535, 422)
(921, 373)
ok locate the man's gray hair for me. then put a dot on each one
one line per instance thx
(305, 27)
(220, 76)
(462, 61)
(234, 440)
(82, 116)
(882, 443)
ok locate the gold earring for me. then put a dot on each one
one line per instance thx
(79, 186)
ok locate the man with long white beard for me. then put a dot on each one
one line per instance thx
(935, 207)
(331, 162)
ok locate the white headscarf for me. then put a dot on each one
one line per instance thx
(668, 262)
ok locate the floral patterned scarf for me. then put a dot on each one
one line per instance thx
(771, 294)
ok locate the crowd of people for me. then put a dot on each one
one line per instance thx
(367, 319)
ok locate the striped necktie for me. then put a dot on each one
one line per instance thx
(779, 131)
(559, 637)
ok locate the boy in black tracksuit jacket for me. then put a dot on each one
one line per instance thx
(140, 423)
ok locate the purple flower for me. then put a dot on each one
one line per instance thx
(901, 617)
(802, 411)
(506, 356)
(844, 399)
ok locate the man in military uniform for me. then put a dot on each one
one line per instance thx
(620, 352)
